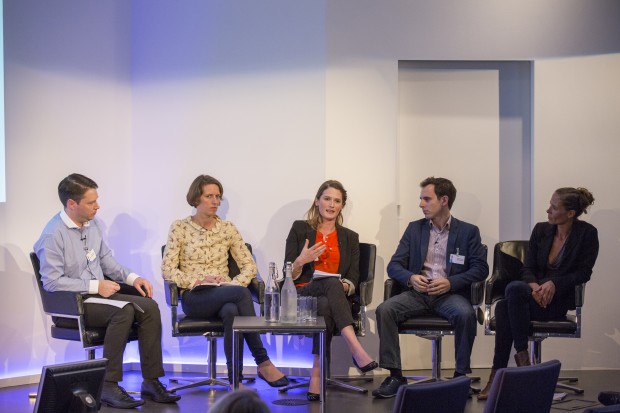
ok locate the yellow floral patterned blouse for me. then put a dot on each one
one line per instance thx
(193, 252)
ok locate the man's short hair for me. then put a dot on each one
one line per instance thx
(74, 187)
(443, 187)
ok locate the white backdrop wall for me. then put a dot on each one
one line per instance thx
(273, 99)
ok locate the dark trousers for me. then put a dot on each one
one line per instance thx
(332, 304)
(454, 307)
(512, 317)
(226, 302)
(118, 323)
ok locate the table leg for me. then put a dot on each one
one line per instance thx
(322, 355)
(235, 356)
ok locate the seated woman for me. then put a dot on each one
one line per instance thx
(560, 255)
(321, 243)
(197, 253)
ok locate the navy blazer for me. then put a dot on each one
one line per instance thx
(349, 244)
(463, 237)
(580, 252)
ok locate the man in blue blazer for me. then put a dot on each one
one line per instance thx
(437, 259)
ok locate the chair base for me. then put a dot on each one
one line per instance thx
(197, 382)
(576, 390)
(334, 381)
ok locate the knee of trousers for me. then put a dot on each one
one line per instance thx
(516, 289)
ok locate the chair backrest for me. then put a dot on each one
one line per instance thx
(524, 389)
(368, 257)
(448, 396)
(508, 259)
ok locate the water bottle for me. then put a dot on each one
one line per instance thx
(288, 313)
(272, 296)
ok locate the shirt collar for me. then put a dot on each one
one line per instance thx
(436, 229)
(69, 222)
(215, 229)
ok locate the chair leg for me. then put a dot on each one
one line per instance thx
(436, 362)
(345, 386)
(536, 348)
(211, 380)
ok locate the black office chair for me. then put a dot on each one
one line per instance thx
(508, 259)
(433, 327)
(359, 305)
(67, 311)
(523, 389)
(448, 396)
(183, 326)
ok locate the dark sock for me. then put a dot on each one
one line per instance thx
(398, 373)
(457, 374)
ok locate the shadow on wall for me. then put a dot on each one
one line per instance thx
(22, 336)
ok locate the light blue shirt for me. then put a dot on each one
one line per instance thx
(76, 259)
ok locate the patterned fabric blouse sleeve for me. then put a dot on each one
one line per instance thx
(242, 256)
(170, 267)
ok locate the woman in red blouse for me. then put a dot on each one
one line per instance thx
(322, 244)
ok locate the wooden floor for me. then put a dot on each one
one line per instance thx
(16, 400)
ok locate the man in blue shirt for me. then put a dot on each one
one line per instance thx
(74, 257)
(437, 259)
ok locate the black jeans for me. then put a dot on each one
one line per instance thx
(226, 302)
(512, 317)
(118, 323)
(332, 304)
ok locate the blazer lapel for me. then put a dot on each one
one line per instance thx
(343, 245)
(424, 238)
(451, 247)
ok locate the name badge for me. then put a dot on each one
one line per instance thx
(457, 259)
(90, 255)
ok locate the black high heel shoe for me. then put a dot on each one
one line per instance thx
(281, 382)
(368, 367)
(313, 397)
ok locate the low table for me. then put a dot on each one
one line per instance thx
(247, 324)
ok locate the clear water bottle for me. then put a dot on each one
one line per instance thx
(272, 296)
(288, 313)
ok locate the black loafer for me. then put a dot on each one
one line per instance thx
(115, 396)
(313, 397)
(389, 387)
(154, 390)
(281, 382)
(609, 398)
(368, 367)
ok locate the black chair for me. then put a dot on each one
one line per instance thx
(448, 396)
(614, 408)
(67, 311)
(359, 305)
(183, 326)
(433, 327)
(523, 389)
(508, 258)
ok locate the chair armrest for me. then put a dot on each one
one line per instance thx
(172, 293)
(257, 289)
(62, 302)
(388, 286)
(580, 293)
(494, 289)
(365, 292)
(477, 292)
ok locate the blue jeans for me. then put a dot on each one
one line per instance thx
(226, 303)
(454, 307)
(512, 318)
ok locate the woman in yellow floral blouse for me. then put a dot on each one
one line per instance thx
(197, 254)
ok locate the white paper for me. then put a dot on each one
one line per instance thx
(115, 303)
(322, 274)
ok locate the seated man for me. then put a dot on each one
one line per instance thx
(437, 259)
(74, 257)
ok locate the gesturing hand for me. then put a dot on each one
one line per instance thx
(311, 254)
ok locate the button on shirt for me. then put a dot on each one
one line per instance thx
(435, 262)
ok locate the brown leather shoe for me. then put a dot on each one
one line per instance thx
(522, 358)
(484, 393)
